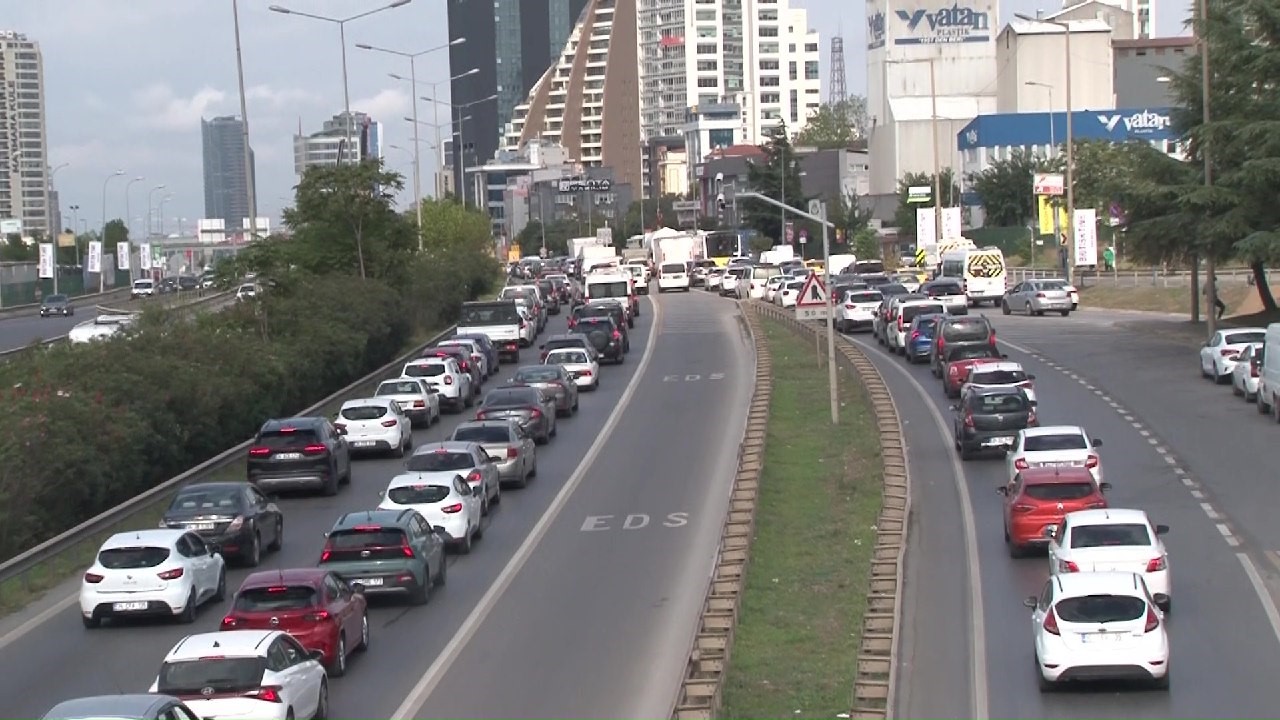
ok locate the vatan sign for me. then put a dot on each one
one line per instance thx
(931, 24)
(1145, 122)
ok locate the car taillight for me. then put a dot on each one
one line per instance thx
(228, 622)
(585, 373)
(512, 453)
(325, 555)
(92, 578)
(1051, 623)
(1066, 566)
(968, 419)
(1021, 464)
(464, 367)
(481, 415)
(1153, 620)
(1032, 420)
(1023, 508)
(1157, 564)
(451, 509)
(173, 574)
(914, 335)
(390, 423)
(270, 693)
(259, 451)
(1041, 295)
(1091, 462)
(448, 379)
(1253, 369)
(316, 449)
(617, 335)
(236, 524)
(419, 403)
(317, 616)
(474, 476)
(408, 551)
(536, 413)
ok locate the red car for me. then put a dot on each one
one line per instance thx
(315, 606)
(960, 361)
(1039, 498)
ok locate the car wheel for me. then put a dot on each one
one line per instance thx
(1004, 308)
(338, 667)
(277, 540)
(421, 595)
(1262, 406)
(221, 593)
(399, 451)
(1028, 310)
(1045, 684)
(463, 546)
(253, 555)
(331, 484)
(322, 703)
(1235, 389)
(497, 495)
(188, 614)
(533, 471)
(91, 623)
(1161, 683)
(1065, 312)
(470, 399)
(965, 453)
(364, 633)
(574, 409)
(555, 429)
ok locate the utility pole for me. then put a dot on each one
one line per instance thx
(937, 163)
(1210, 268)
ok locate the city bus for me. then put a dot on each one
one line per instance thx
(721, 245)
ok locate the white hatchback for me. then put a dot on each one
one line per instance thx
(259, 674)
(166, 573)
(444, 375)
(788, 292)
(1112, 540)
(1054, 446)
(584, 370)
(1098, 626)
(445, 499)
(376, 424)
(420, 400)
(1218, 356)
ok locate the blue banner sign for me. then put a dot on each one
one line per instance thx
(956, 24)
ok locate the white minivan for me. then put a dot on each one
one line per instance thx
(1269, 376)
(673, 276)
(144, 288)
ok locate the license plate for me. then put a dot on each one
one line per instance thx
(998, 442)
(370, 582)
(363, 443)
(201, 526)
(1055, 464)
(288, 456)
(1100, 637)
(128, 606)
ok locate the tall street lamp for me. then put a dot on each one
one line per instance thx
(435, 116)
(128, 215)
(151, 195)
(1053, 148)
(103, 238)
(413, 78)
(342, 37)
(439, 148)
(163, 199)
(75, 226)
(459, 154)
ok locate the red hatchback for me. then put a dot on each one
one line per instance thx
(1040, 498)
(313, 605)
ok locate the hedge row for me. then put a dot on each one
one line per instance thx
(87, 427)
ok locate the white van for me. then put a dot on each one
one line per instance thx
(759, 278)
(673, 276)
(144, 288)
(981, 270)
(1269, 377)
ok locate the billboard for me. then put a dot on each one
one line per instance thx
(933, 23)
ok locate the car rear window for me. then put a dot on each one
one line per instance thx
(288, 438)
(224, 674)
(966, 329)
(1245, 337)
(273, 599)
(563, 343)
(909, 312)
(998, 404)
(510, 397)
(363, 412)
(482, 434)
(132, 558)
(489, 314)
(532, 375)
(1053, 285)
(887, 289)
(968, 352)
(618, 288)
(673, 267)
(379, 537)
(221, 499)
(417, 494)
(568, 356)
(1100, 609)
(1049, 443)
(936, 289)
(424, 369)
(1056, 492)
(440, 461)
(998, 377)
(399, 387)
(1114, 535)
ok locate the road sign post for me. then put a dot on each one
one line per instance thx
(830, 325)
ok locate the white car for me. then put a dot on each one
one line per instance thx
(584, 369)
(419, 400)
(857, 310)
(1218, 356)
(100, 328)
(444, 375)
(788, 292)
(1112, 540)
(714, 276)
(165, 572)
(732, 279)
(528, 326)
(259, 674)
(1244, 377)
(1001, 375)
(1096, 626)
(773, 285)
(477, 354)
(639, 276)
(673, 276)
(1054, 446)
(376, 424)
(248, 291)
(444, 499)
(144, 288)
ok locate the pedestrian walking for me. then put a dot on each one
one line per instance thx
(1109, 259)
(1219, 306)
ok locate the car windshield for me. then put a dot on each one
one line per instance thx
(210, 499)
(288, 438)
(417, 494)
(537, 375)
(1057, 492)
(55, 299)
(673, 268)
(616, 288)
(1113, 535)
(399, 387)
(223, 674)
(964, 329)
(1241, 338)
(425, 369)
(997, 404)
(482, 434)
(489, 314)
(440, 461)
(998, 377)
(132, 558)
(274, 599)
(1100, 609)
(937, 289)
(363, 412)
(1050, 443)
(510, 397)
(570, 357)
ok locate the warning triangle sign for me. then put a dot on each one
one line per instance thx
(813, 294)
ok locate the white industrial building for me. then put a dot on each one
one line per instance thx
(1129, 19)
(1032, 57)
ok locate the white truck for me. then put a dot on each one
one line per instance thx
(578, 244)
(594, 256)
(778, 255)
(676, 249)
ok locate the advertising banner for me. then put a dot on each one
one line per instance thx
(926, 226)
(1086, 230)
(1044, 212)
(144, 256)
(934, 23)
(952, 224)
(122, 256)
(45, 265)
(93, 263)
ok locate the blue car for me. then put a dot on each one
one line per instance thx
(920, 337)
(487, 347)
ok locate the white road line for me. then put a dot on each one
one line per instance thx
(417, 697)
(1224, 530)
(1153, 441)
(1128, 418)
(40, 619)
(977, 623)
(1197, 494)
(1260, 588)
(1208, 510)
(1171, 459)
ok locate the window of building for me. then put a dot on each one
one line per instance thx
(795, 106)
(708, 65)
(768, 48)
(769, 81)
(810, 69)
(791, 69)
(770, 98)
(705, 15)
(706, 48)
(705, 31)
(708, 82)
(768, 64)
(768, 31)
(811, 47)
(767, 15)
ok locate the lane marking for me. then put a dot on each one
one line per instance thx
(421, 692)
(38, 620)
(1260, 589)
(1197, 494)
(978, 632)
(1208, 510)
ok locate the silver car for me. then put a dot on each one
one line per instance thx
(1036, 297)
(124, 707)
(553, 380)
(514, 452)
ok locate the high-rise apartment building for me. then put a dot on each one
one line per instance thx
(511, 43)
(226, 180)
(24, 146)
(329, 145)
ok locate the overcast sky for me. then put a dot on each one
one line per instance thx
(127, 82)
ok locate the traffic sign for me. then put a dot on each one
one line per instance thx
(811, 303)
(1047, 184)
(815, 208)
(921, 257)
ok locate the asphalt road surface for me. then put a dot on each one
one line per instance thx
(582, 598)
(967, 651)
(22, 330)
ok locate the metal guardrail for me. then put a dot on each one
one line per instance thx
(20, 310)
(1137, 277)
(51, 548)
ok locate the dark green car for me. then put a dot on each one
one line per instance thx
(386, 552)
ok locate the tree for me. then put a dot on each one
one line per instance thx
(1005, 188)
(849, 219)
(866, 244)
(905, 216)
(834, 125)
(656, 213)
(15, 249)
(778, 177)
(116, 231)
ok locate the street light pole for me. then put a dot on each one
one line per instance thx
(128, 215)
(244, 129)
(458, 154)
(435, 117)
(937, 162)
(1210, 264)
(102, 240)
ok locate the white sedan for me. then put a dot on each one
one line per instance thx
(263, 674)
(420, 401)
(475, 351)
(1002, 375)
(1054, 446)
(771, 287)
(1218, 356)
(788, 292)
(148, 573)
(1112, 540)
(376, 424)
(444, 499)
(1096, 626)
(584, 369)
(1244, 377)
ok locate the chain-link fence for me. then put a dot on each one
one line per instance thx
(20, 283)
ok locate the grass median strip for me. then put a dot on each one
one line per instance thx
(795, 648)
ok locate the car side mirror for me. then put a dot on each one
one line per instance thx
(1096, 443)
(214, 548)
(325, 535)
(1162, 529)
(439, 530)
(1003, 490)
(317, 655)
(357, 588)
(1050, 531)
(1104, 487)
(1032, 601)
(1031, 377)
(1003, 356)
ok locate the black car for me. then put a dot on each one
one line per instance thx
(550, 294)
(301, 453)
(188, 282)
(602, 309)
(605, 337)
(988, 419)
(572, 340)
(235, 516)
(957, 330)
(533, 409)
(486, 346)
(57, 305)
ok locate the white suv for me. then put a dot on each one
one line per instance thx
(673, 276)
(144, 288)
(444, 375)
(857, 310)
(166, 573)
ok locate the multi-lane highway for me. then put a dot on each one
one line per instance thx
(1176, 446)
(582, 597)
(17, 331)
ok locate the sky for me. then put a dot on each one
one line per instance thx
(128, 81)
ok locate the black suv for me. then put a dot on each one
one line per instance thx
(957, 330)
(601, 309)
(301, 453)
(988, 419)
(572, 340)
(602, 332)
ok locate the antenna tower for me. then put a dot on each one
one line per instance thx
(838, 91)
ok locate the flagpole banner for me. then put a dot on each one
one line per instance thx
(1044, 206)
(952, 224)
(926, 226)
(1086, 231)
(122, 256)
(94, 262)
(46, 260)
(144, 256)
